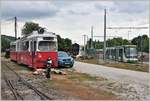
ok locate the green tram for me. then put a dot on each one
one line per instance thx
(124, 53)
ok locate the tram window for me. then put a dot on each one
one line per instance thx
(117, 53)
(130, 52)
(27, 45)
(33, 46)
(13, 47)
(48, 38)
(115, 56)
(121, 54)
(47, 46)
(18, 46)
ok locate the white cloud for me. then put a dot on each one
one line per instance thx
(28, 9)
(72, 19)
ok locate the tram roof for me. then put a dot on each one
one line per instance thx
(35, 34)
(121, 46)
(129, 45)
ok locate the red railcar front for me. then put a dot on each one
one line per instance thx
(45, 49)
(35, 49)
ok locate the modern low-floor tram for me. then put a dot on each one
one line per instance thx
(125, 53)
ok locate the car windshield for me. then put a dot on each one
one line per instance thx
(47, 46)
(62, 54)
(131, 52)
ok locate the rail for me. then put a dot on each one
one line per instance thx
(15, 93)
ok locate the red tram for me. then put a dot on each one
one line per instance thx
(35, 49)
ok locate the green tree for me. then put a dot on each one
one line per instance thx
(67, 43)
(98, 45)
(142, 43)
(117, 42)
(64, 44)
(126, 42)
(60, 43)
(5, 42)
(29, 27)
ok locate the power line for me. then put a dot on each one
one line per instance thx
(8, 19)
(14, 19)
(127, 27)
(6, 23)
(106, 36)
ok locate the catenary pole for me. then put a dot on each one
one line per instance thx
(91, 36)
(15, 27)
(104, 48)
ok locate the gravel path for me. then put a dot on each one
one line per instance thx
(112, 73)
(126, 79)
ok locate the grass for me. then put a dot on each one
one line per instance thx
(82, 77)
(73, 84)
(129, 66)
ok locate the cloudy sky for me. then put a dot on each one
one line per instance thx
(72, 19)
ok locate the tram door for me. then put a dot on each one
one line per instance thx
(121, 54)
(33, 50)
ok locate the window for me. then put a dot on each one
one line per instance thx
(25, 46)
(130, 52)
(47, 46)
(33, 46)
(13, 47)
(48, 38)
(62, 54)
(121, 54)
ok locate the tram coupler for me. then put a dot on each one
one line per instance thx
(48, 68)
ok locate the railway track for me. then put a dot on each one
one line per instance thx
(16, 94)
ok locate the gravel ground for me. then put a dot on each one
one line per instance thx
(37, 81)
(128, 85)
(22, 89)
(131, 85)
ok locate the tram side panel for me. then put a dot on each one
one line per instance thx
(13, 55)
(41, 59)
(36, 59)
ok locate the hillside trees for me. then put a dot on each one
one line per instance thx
(5, 42)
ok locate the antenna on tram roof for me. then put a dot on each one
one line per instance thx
(41, 30)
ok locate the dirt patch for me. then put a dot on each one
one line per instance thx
(73, 85)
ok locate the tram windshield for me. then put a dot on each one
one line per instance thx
(131, 52)
(47, 46)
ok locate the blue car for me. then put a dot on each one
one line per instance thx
(64, 59)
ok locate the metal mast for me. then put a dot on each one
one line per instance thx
(104, 48)
(15, 27)
(91, 36)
